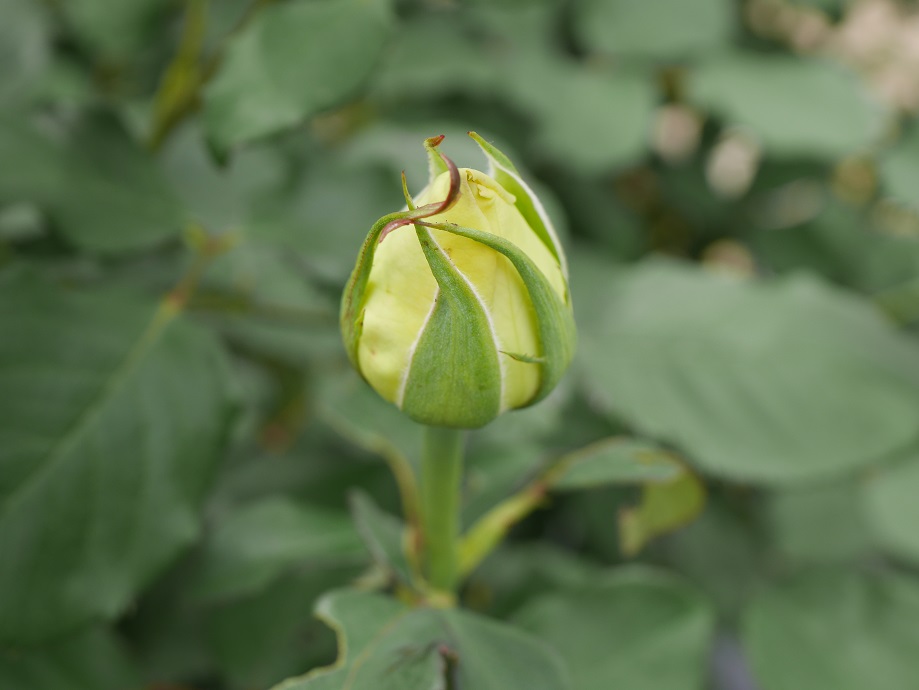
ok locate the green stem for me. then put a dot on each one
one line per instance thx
(441, 474)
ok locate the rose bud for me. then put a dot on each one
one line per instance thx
(467, 314)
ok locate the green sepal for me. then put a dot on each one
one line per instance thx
(521, 357)
(554, 316)
(454, 377)
(436, 163)
(351, 316)
(503, 171)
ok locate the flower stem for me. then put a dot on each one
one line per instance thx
(441, 475)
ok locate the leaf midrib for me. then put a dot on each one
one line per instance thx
(161, 317)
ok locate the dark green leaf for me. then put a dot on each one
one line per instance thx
(260, 542)
(98, 186)
(115, 31)
(113, 415)
(25, 46)
(258, 640)
(92, 659)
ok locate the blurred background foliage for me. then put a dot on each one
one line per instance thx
(183, 190)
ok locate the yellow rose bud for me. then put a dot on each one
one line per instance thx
(468, 315)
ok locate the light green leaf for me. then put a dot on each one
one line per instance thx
(92, 659)
(654, 29)
(616, 460)
(103, 192)
(258, 543)
(590, 120)
(663, 509)
(25, 46)
(891, 505)
(221, 199)
(386, 645)
(778, 381)
(636, 629)
(291, 62)
(839, 246)
(112, 417)
(835, 630)
(459, 65)
(794, 106)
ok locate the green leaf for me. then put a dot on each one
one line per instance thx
(221, 199)
(776, 381)
(385, 645)
(259, 639)
(892, 508)
(383, 534)
(835, 630)
(616, 460)
(899, 168)
(115, 32)
(323, 216)
(793, 106)
(724, 553)
(25, 47)
(824, 523)
(654, 29)
(636, 629)
(260, 542)
(113, 417)
(609, 126)
(459, 65)
(517, 572)
(291, 62)
(354, 410)
(663, 509)
(839, 246)
(98, 186)
(257, 296)
(92, 659)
